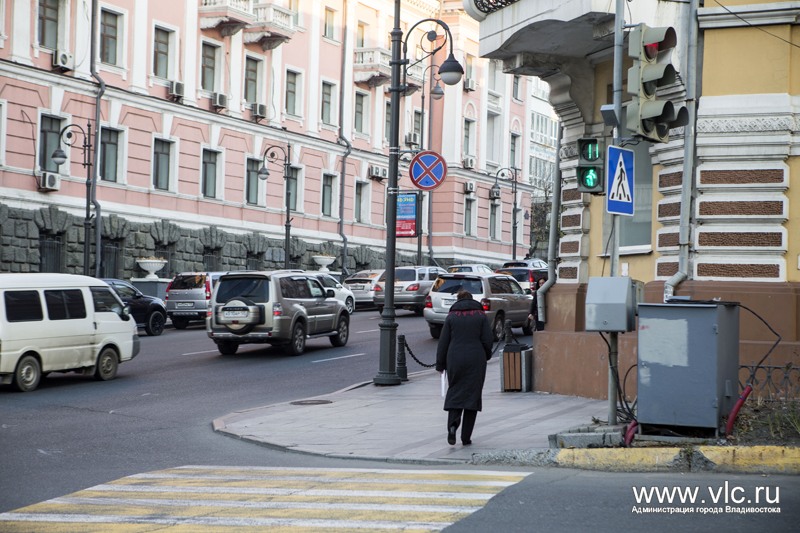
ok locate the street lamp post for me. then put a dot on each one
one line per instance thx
(450, 72)
(435, 92)
(68, 136)
(509, 174)
(273, 154)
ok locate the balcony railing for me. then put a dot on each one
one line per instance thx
(490, 6)
(276, 15)
(239, 5)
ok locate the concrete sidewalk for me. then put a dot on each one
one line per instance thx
(406, 423)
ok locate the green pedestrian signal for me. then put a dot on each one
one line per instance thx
(590, 166)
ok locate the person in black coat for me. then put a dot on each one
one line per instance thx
(465, 344)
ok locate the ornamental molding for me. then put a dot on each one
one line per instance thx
(749, 15)
(748, 124)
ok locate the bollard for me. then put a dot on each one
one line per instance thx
(401, 369)
(507, 332)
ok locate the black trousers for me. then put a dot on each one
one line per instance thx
(454, 419)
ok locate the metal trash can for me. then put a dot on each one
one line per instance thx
(516, 368)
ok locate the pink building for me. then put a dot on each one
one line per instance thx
(188, 99)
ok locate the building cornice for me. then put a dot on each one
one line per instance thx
(749, 15)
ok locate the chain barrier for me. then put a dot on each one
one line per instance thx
(414, 357)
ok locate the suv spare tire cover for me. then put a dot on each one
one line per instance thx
(244, 325)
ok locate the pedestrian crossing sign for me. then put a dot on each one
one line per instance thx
(619, 181)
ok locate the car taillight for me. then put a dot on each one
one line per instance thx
(277, 309)
(486, 304)
(208, 289)
(169, 286)
(378, 288)
(428, 302)
(413, 287)
(531, 278)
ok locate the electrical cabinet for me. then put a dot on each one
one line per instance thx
(688, 363)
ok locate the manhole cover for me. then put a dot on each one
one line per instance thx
(310, 402)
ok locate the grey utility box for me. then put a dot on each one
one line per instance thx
(611, 304)
(688, 363)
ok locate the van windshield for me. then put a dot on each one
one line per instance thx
(256, 289)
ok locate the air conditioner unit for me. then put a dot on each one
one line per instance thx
(494, 193)
(49, 181)
(412, 138)
(63, 60)
(469, 187)
(377, 172)
(470, 84)
(468, 162)
(176, 89)
(258, 110)
(219, 100)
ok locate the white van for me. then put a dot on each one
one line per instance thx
(61, 323)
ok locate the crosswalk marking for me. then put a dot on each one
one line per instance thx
(215, 498)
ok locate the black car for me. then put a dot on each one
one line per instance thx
(149, 312)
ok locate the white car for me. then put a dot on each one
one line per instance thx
(473, 267)
(343, 294)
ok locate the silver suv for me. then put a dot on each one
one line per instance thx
(187, 296)
(501, 297)
(283, 308)
(411, 286)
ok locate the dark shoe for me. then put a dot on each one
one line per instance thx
(451, 435)
(466, 442)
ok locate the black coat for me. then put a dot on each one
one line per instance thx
(465, 344)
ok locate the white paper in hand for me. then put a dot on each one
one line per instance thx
(444, 383)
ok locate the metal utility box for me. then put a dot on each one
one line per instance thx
(516, 370)
(688, 363)
(611, 304)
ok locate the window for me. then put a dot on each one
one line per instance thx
(493, 220)
(294, 7)
(327, 103)
(109, 154)
(210, 173)
(358, 201)
(361, 32)
(512, 150)
(468, 204)
(327, 194)
(109, 37)
(208, 67)
(251, 69)
(469, 133)
(51, 253)
(65, 304)
(251, 192)
(105, 301)
(328, 27)
(291, 188)
(49, 140)
(162, 152)
(111, 259)
(211, 260)
(387, 126)
(23, 306)
(515, 87)
(470, 66)
(161, 47)
(359, 113)
(48, 24)
(493, 129)
(418, 123)
(292, 79)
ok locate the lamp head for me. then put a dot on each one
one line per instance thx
(451, 70)
(263, 172)
(437, 92)
(59, 157)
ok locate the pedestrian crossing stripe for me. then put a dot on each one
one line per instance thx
(215, 498)
(620, 192)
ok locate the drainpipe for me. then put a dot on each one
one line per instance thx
(555, 209)
(689, 141)
(341, 139)
(98, 221)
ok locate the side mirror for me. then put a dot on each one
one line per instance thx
(329, 293)
(126, 313)
(528, 291)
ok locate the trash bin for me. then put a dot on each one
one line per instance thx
(516, 368)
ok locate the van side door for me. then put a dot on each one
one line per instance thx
(70, 332)
(109, 325)
(323, 308)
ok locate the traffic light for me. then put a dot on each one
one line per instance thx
(648, 116)
(590, 166)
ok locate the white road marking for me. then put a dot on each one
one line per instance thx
(335, 358)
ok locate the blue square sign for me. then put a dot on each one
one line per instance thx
(619, 181)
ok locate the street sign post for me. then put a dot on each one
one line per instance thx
(619, 181)
(427, 170)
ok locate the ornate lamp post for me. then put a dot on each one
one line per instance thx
(274, 154)
(68, 136)
(509, 174)
(450, 72)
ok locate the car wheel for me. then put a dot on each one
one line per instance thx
(297, 344)
(155, 324)
(106, 367)
(180, 323)
(227, 347)
(498, 329)
(351, 305)
(342, 332)
(28, 374)
(436, 330)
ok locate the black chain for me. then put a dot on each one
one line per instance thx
(414, 357)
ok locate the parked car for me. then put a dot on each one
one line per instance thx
(282, 308)
(341, 292)
(188, 295)
(61, 323)
(476, 267)
(500, 295)
(526, 277)
(362, 284)
(527, 263)
(149, 312)
(411, 286)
